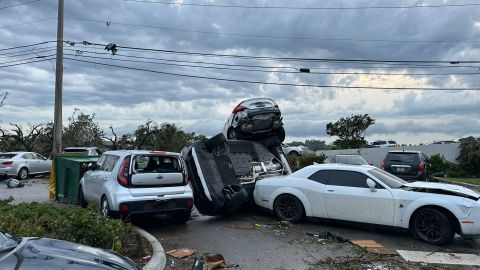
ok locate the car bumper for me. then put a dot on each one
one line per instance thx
(7, 171)
(157, 206)
(470, 226)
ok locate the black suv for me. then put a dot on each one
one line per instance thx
(408, 165)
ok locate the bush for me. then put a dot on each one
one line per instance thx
(469, 157)
(439, 163)
(66, 222)
(296, 163)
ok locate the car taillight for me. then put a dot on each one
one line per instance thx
(124, 207)
(123, 173)
(382, 165)
(238, 108)
(421, 167)
(189, 203)
(185, 179)
(7, 163)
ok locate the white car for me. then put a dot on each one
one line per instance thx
(129, 182)
(292, 150)
(433, 212)
(387, 143)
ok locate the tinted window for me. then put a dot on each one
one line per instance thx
(320, 176)
(7, 156)
(354, 160)
(379, 142)
(28, 156)
(388, 179)
(402, 157)
(156, 164)
(392, 142)
(109, 163)
(100, 162)
(38, 156)
(348, 179)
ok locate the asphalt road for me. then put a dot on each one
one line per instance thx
(34, 190)
(274, 245)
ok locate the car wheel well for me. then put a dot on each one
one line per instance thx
(292, 195)
(453, 220)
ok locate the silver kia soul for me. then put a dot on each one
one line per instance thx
(128, 182)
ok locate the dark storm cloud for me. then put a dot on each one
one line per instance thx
(306, 110)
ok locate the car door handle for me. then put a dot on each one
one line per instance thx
(159, 177)
(330, 190)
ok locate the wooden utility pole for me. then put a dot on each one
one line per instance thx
(57, 122)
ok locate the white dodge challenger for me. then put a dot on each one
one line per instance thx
(433, 212)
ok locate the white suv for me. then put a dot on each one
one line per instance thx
(128, 182)
(292, 150)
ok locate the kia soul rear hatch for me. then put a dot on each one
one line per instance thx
(151, 171)
(402, 163)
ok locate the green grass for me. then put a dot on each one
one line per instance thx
(474, 181)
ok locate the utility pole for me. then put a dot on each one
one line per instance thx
(57, 121)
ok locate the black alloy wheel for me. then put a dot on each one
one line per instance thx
(432, 226)
(289, 208)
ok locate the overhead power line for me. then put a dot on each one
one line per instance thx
(28, 62)
(27, 59)
(342, 39)
(122, 59)
(29, 22)
(19, 4)
(26, 46)
(303, 8)
(299, 59)
(270, 83)
(26, 52)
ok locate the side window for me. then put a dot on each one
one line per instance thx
(348, 179)
(100, 162)
(109, 163)
(28, 156)
(320, 176)
(38, 156)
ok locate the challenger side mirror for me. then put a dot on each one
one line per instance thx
(371, 184)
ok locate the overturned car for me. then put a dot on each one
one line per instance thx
(223, 172)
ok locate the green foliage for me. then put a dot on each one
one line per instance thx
(82, 130)
(65, 222)
(469, 157)
(349, 130)
(313, 145)
(439, 163)
(296, 163)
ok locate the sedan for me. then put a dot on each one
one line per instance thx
(433, 212)
(33, 253)
(23, 164)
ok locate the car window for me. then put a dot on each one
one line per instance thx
(354, 160)
(156, 164)
(388, 179)
(100, 162)
(392, 142)
(109, 163)
(28, 156)
(320, 176)
(347, 179)
(7, 156)
(402, 157)
(379, 142)
(40, 157)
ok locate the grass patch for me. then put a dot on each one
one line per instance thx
(474, 181)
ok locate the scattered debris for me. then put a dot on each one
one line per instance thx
(197, 264)
(245, 226)
(328, 236)
(440, 257)
(173, 264)
(214, 262)
(260, 225)
(181, 253)
(13, 183)
(374, 247)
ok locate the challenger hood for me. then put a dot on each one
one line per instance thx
(445, 189)
(45, 253)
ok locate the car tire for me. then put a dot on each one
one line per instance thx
(432, 226)
(289, 208)
(105, 208)
(81, 198)
(214, 142)
(280, 133)
(22, 174)
(182, 217)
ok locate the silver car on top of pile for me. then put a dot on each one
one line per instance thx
(23, 164)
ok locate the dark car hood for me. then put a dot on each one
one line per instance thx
(52, 254)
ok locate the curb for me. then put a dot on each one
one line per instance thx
(158, 260)
(470, 186)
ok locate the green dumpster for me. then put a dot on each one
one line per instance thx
(68, 170)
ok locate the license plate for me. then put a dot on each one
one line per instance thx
(400, 169)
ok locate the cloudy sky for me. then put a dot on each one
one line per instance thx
(127, 89)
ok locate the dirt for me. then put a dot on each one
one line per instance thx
(136, 248)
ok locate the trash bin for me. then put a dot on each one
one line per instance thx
(68, 170)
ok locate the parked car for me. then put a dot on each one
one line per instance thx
(408, 165)
(292, 150)
(128, 182)
(34, 253)
(347, 159)
(382, 144)
(254, 119)
(223, 172)
(433, 212)
(83, 151)
(23, 164)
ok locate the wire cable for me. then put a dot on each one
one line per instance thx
(19, 4)
(27, 52)
(303, 8)
(24, 23)
(29, 62)
(26, 46)
(26, 59)
(272, 83)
